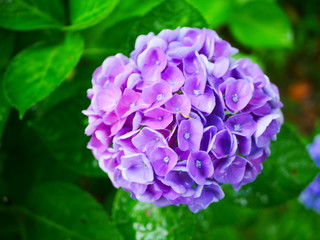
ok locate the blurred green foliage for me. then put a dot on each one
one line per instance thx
(50, 185)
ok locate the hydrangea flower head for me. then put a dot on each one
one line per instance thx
(180, 117)
(310, 197)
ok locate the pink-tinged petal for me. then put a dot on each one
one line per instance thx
(157, 94)
(110, 118)
(204, 102)
(140, 45)
(194, 68)
(179, 103)
(93, 124)
(157, 118)
(137, 119)
(133, 80)
(110, 167)
(128, 100)
(115, 128)
(148, 139)
(200, 166)
(189, 135)
(163, 159)
(125, 141)
(111, 67)
(122, 78)
(136, 168)
(151, 63)
(174, 77)
(106, 99)
(103, 135)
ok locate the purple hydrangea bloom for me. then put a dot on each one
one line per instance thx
(314, 150)
(180, 117)
(310, 197)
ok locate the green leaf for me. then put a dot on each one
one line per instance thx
(224, 213)
(6, 47)
(215, 12)
(98, 48)
(31, 14)
(4, 109)
(139, 220)
(129, 9)
(62, 130)
(225, 232)
(38, 70)
(291, 222)
(36, 163)
(85, 13)
(261, 24)
(64, 211)
(8, 227)
(285, 174)
(169, 15)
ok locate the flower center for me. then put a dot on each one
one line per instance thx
(166, 159)
(187, 136)
(160, 118)
(237, 127)
(198, 164)
(157, 62)
(196, 92)
(235, 98)
(160, 97)
(132, 105)
(177, 109)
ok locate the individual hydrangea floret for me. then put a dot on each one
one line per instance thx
(310, 197)
(180, 117)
